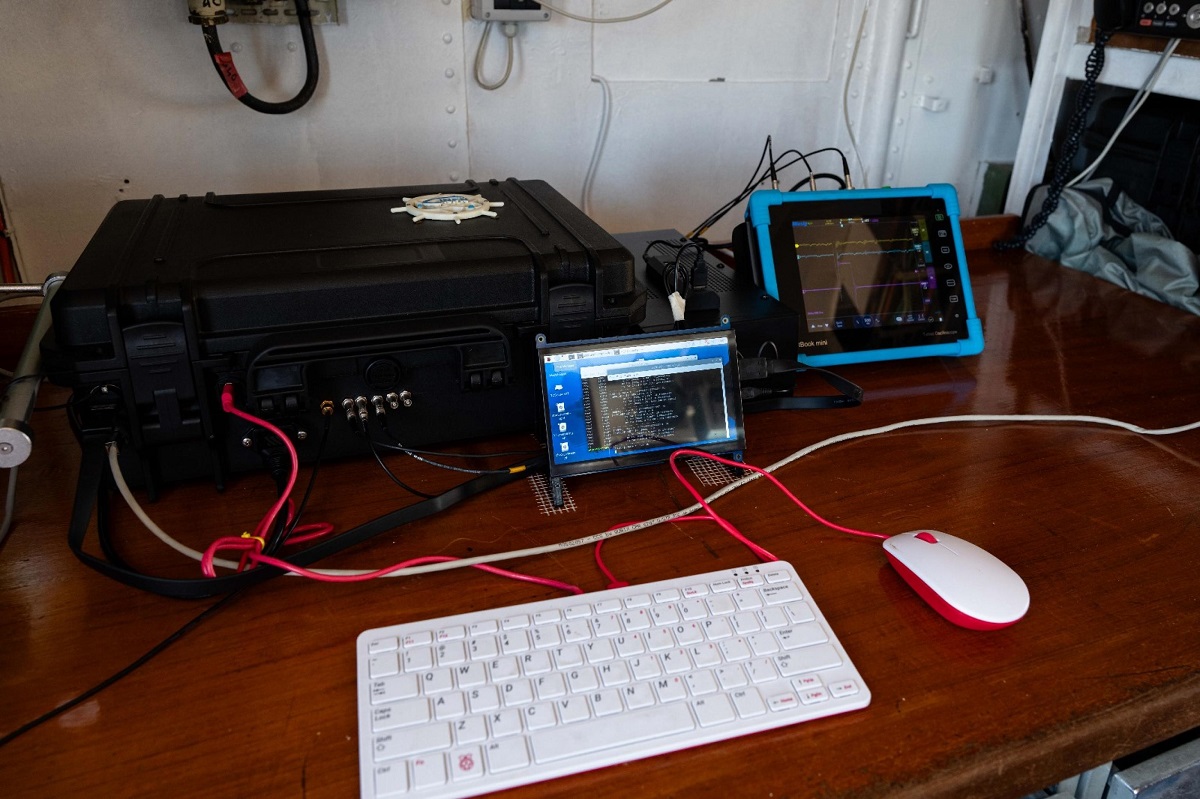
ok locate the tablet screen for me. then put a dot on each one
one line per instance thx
(871, 277)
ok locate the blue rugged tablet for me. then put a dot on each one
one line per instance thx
(874, 274)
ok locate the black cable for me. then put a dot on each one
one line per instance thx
(153, 652)
(1070, 145)
(760, 176)
(388, 472)
(521, 453)
(674, 269)
(818, 176)
(94, 467)
(415, 455)
(229, 75)
(312, 481)
(399, 447)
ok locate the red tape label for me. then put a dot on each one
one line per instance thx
(230, 74)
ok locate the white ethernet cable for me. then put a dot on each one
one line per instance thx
(1135, 105)
(630, 528)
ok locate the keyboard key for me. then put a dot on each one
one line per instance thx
(802, 635)
(383, 665)
(550, 686)
(637, 619)
(507, 755)
(535, 663)
(504, 723)
(389, 644)
(470, 730)
(428, 772)
(749, 703)
(781, 594)
(747, 600)
(813, 658)
(417, 638)
(466, 764)
(455, 633)
(390, 689)
(391, 780)
(572, 709)
(713, 710)
(400, 714)
(484, 627)
(539, 716)
(411, 741)
(721, 605)
(599, 734)
(843, 688)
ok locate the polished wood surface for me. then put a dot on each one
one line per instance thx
(1102, 524)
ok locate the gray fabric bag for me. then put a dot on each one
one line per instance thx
(1097, 229)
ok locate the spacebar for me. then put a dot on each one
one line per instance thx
(624, 728)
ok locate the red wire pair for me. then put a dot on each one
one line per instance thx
(251, 545)
(712, 515)
(764, 473)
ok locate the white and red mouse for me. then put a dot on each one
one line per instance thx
(966, 584)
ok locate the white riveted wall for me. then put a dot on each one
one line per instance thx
(121, 101)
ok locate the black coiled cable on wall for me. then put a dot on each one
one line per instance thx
(223, 62)
(1070, 145)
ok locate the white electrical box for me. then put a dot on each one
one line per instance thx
(508, 11)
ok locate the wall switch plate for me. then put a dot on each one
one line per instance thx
(508, 11)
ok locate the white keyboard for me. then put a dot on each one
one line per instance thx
(469, 704)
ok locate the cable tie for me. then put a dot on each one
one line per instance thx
(262, 544)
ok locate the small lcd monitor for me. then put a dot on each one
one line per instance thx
(630, 401)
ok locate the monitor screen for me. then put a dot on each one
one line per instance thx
(629, 401)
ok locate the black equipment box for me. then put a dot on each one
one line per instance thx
(334, 298)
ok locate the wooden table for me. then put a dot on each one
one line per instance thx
(259, 699)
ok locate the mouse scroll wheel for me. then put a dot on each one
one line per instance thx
(927, 537)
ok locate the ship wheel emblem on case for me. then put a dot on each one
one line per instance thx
(447, 206)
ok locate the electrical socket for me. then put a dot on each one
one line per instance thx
(508, 11)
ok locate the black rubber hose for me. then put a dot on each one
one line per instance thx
(229, 75)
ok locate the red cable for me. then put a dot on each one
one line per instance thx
(264, 526)
(613, 582)
(762, 553)
(252, 546)
(769, 476)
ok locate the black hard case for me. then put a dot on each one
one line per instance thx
(307, 297)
